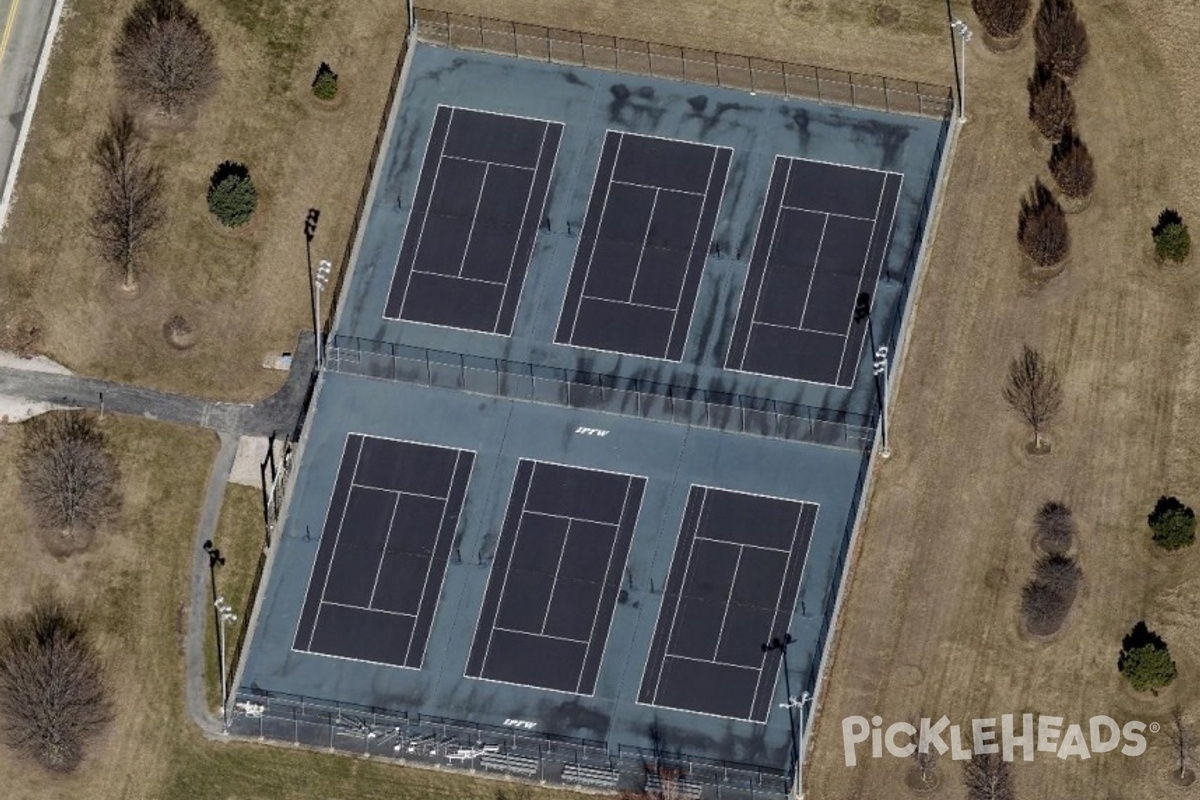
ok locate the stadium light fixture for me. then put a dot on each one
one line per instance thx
(224, 614)
(880, 369)
(964, 33)
(320, 281)
(799, 704)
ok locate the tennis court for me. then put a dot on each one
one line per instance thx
(732, 588)
(473, 220)
(644, 242)
(821, 241)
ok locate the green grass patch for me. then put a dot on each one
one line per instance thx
(281, 26)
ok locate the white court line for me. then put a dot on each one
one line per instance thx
(368, 609)
(607, 569)
(507, 567)
(498, 113)
(395, 491)
(683, 583)
(490, 163)
(799, 585)
(728, 602)
(642, 252)
(336, 538)
(323, 654)
(437, 171)
(741, 544)
(778, 600)
(599, 224)
(569, 519)
(862, 271)
(787, 377)
(657, 189)
(714, 662)
(762, 218)
(454, 278)
(847, 166)
(687, 272)
(798, 329)
(524, 221)
(812, 278)
(584, 469)
(475, 219)
(562, 308)
(626, 303)
(324, 525)
(432, 558)
(882, 265)
(408, 221)
(529, 685)
(554, 583)
(766, 262)
(540, 635)
(386, 539)
(830, 213)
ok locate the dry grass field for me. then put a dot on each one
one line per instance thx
(132, 586)
(931, 619)
(245, 292)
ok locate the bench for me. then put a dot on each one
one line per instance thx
(595, 777)
(515, 765)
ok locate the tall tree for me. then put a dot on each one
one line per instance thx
(1183, 741)
(987, 777)
(1051, 104)
(1042, 229)
(1060, 37)
(1033, 390)
(53, 698)
(1002, 19)
(127, 196)
(166, 60)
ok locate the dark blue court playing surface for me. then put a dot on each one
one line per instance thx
(473, 221)
(643, 245)
(821, 241)
(388, 532)
(555, 578)
(731, 589)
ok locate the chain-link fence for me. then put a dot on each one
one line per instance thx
(599, 392)
(799, 81)
(513, 751)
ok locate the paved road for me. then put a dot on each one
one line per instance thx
(277, 413)
(23, 25)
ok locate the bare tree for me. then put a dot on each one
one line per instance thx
(1042, 228)
(1048, 596)
(1183, 742)
(987, 777)
(52, 693)
(127, 196)
(1060, 37)
(1051, 104)
(166, 60)
(1033, 390)
(68, 478)
(1002, 19)
(1071, 165)
(1055, 527)
(924, 764)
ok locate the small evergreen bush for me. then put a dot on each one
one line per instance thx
(325, 85)
(232, 197)
(1173, 524)
(1171, 238)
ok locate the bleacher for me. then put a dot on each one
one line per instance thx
(514, 765)
(592, 777)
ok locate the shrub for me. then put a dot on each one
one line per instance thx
(68, 478)
(1173, 524)
(232, 197)
(165, 58)
(1072, 167)
(1048, 596)
(1051, 105)
(52, 693)
(1060, 37)
(325, 85)
(1042, 227)
(1145, 660)
(1002, 19)
(1055, 528)
(1171, 238)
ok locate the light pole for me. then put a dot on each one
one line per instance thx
(319, 282)
(224, 614)
(879, 368)
(799, 704)
(964, 33)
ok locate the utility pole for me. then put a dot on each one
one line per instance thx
(879, 368)
(310, 230)
(224, 614)
(320, 280)
(964, 34)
